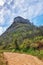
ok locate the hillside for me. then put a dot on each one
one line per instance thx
(22, 35)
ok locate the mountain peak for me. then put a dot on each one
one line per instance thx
(19, 19)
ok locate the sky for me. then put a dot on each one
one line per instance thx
(28, 9)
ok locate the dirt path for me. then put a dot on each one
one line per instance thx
(21, 59)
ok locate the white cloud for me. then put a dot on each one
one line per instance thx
(32, 7)
(1, 30)
(4, 13)
(2, 20)
(2, 2)
(9, 1)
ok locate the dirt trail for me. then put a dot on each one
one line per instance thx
(21, 59)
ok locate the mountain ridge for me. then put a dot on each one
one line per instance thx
(19, 30)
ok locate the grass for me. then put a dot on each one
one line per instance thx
(1, 51)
